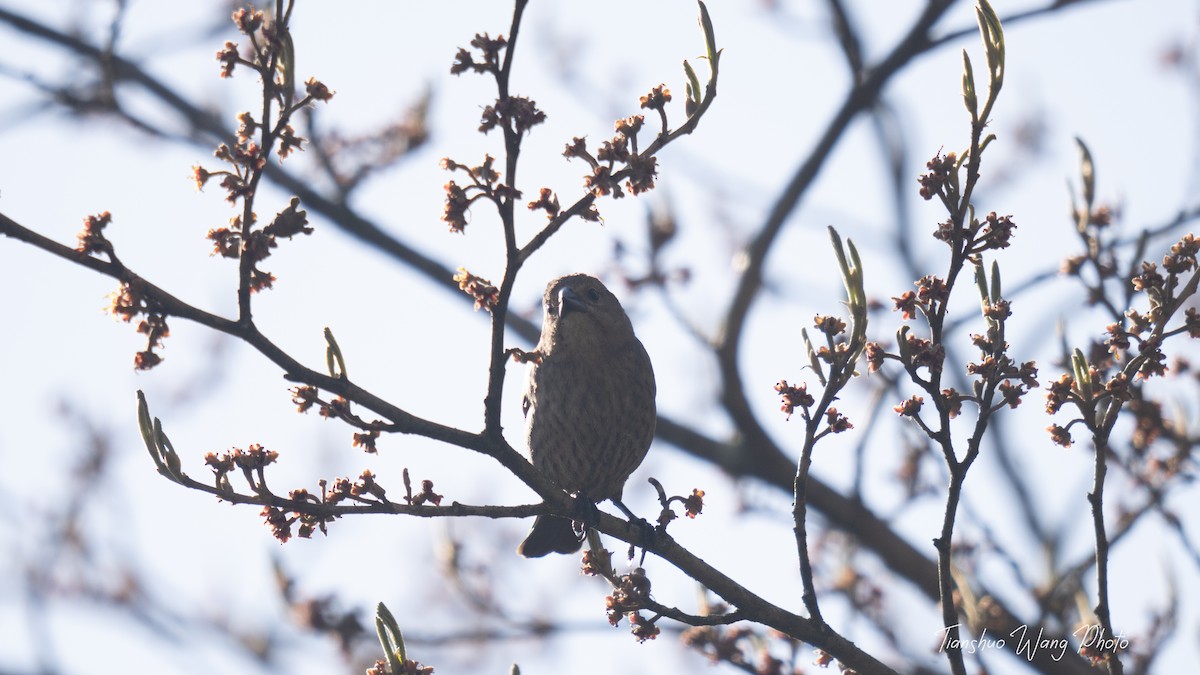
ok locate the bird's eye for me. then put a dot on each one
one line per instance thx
(593, 294)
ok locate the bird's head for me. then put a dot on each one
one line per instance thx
(581, 313)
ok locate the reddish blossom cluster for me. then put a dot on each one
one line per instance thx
(837, 422)
(694, 503)
(629, 596)
(489, 51)
(248, 20)
(425, 496)
(930, 297)
(246, 159)
(516, 114)
(832, 327)
(336, 408)
(485, 294)
(251, 463)
(457, 203)
(921, 353)
(268, 57)
(909, 407)
(996, 233)
(229, 58)
(288, 223)
(317, 90)
(133, 300)
(366, 440)
(253, 459)
(306, 510)
(792, 397)
(934, 182)
(597, 563)
(640, 169)
(485, 183)
(875, 354)
(547, 201)
(229, 242)
(365, 489)
(994, 364)
(1059, 392)
(657, 99)
(953, 401)
(993, 233)
(304, 397)
(92, 240)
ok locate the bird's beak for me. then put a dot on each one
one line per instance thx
(569, 301)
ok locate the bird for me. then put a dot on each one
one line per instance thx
(589, 403)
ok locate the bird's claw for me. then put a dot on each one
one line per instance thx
(649, 535)
(586, 512)
(648, 531)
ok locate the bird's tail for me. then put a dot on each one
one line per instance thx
(550, 534)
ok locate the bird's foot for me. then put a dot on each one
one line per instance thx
(648, 531)
(585, 512)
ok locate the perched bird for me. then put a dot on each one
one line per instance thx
(589, 403)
